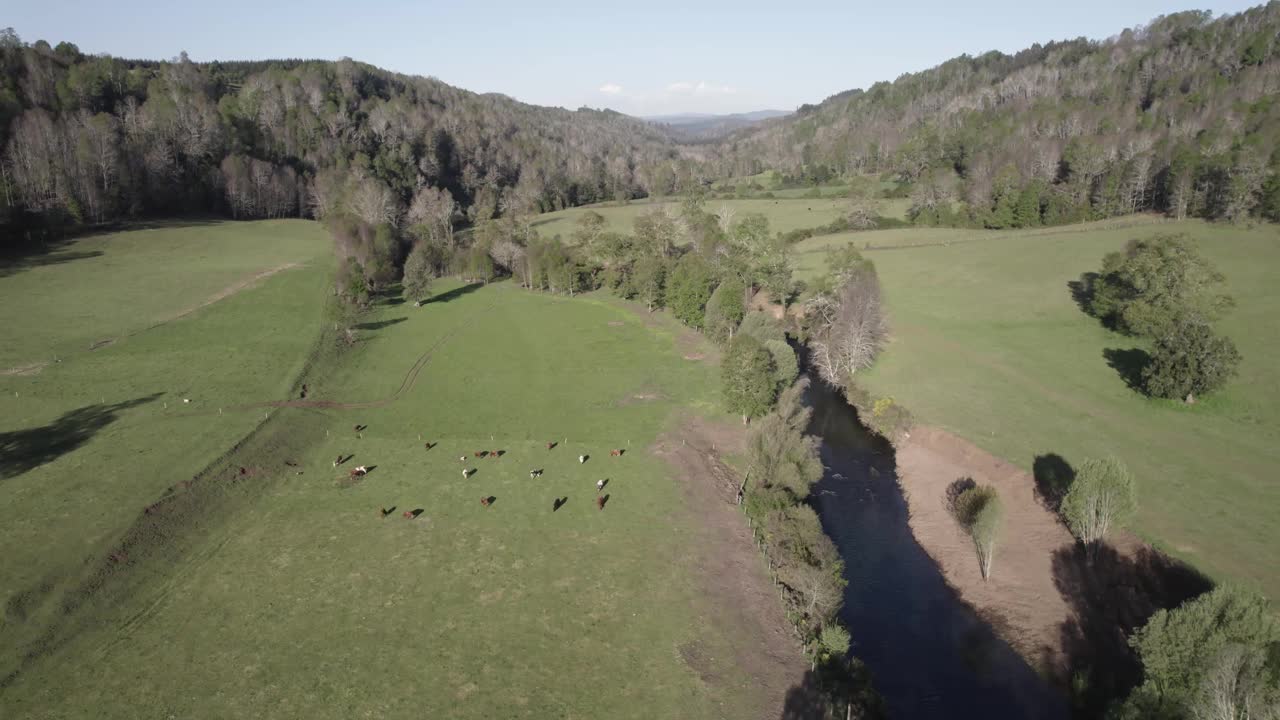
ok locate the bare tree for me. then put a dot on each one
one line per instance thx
(1235, 687)
(849, 326)
(724, 216)
(374, 202)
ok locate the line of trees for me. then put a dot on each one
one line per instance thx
(1178, 116)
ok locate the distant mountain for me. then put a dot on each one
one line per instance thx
(707, 126)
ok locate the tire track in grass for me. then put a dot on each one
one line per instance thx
(406, 383)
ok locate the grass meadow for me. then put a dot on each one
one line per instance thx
(283, 591)
(784, 214)
(988, 343)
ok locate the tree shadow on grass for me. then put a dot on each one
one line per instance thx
(1082, 291)
(1112, 594)
(380, 324)
(1129, 365)
(25, 450)
(453, 294)
(1053, 475)
(13, 265)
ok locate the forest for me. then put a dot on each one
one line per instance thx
(1178, 117)
(93, 139)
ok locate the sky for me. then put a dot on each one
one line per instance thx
(648, 58)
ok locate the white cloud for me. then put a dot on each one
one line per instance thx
(611, 88)
(699, 89)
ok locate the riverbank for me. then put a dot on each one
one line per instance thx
(1060, 611)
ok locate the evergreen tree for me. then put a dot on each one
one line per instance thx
(747, 378)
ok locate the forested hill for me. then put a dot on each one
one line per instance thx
(1181, 116)
(86, 139)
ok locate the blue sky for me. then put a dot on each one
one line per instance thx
(646, 58)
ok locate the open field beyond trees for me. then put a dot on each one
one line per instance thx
(989, 343)
(280, 589)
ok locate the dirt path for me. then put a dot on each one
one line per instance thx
(749, 612)
(222, 294)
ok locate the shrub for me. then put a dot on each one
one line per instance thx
(979, 511)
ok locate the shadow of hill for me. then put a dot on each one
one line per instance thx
(24, 450)
(1129, 365)
(1112, 594)
(454, 294)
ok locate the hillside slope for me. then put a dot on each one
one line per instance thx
(1178, 116)
(91, 138)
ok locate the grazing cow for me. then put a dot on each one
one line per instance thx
(479, 453)
(484, 501)
(429, 445)
(535, 473)
(244, 471)
(337, 461)
(600, 485)
(495, 453)
(616, 453)
(550, 445)
(388, 511)
(355, 428)
(462, 459)
(599, 502)
(186, 400)
(466, 473)
(582, 459)
(408, 515)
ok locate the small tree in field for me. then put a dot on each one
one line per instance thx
(980, 512)
(748, 379)
(417, 273)
(1102, 495)
(1188, 361)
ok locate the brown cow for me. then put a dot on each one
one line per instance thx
(616, 453)
(495, 453)
(599, 502)
(484, 501)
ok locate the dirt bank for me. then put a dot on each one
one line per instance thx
(750, 612)
(1060, 608)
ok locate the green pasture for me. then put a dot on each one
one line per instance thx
(784, 214)
(283, 592)
(988, 343)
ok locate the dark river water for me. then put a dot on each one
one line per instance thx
(930, 655)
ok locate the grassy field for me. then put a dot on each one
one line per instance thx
(784, 215)
(91, 439)
(988, 343)
(283, 592)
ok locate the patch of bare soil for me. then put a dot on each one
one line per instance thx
(1020, 597)
(1059, 608)
(749, 612)
(25, 370)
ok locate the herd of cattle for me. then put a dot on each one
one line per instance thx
(467, 472)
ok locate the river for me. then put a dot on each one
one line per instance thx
(930, 655)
